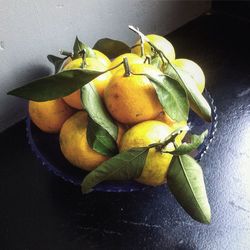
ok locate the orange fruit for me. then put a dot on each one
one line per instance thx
(74, 144)
(49, 116)
(132, 99)
(100, 82)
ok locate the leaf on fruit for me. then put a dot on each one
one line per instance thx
(195, 142)
(197, 102)
(111, 48)
(100, 140)
(55, 86)
(156, 61)
(96, 109)
(124, 166)
(57, 62)
(171, 96)
(79, 47)
(185, 181)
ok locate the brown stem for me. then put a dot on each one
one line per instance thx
(126, 67)
(84, 56)
(142, 48)
(147, 60)
(171, 138)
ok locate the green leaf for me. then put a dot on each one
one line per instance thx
(197, 101)
(156, 61)
(79, 47)
(111, 48)
(172, 97)
(185, 180)
(100, 140)
(196, 141)
(96, 109)
(124, 166)
(55, 86)
(57, 61)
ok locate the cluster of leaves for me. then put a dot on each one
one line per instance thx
(185, 177)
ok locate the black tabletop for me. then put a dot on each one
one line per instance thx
(41, 211)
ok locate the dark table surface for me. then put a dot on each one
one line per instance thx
(41, 211)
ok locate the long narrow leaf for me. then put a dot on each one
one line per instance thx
(96, 109)
(55, 86)
(171, 96)
(185, 180)
(124, 166)
(197, 101)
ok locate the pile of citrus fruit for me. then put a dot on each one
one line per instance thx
(121, 112)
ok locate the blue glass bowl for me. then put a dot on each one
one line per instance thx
(47, 149)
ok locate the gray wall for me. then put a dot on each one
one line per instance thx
(31, 29)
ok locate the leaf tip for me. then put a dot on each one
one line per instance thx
(207, 220)
(205, 133)
(84, 189)
(12, 92)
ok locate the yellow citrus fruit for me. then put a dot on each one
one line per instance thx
(160, 42)
(157, 163)
(102, 58)
(133, 99)
(100, 82)
(49, 116)
(74, 144)
(193, 69)
(132, 59)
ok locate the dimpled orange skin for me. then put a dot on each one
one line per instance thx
(100, 82)
(133, 99)
(74, 145)
(49, 116)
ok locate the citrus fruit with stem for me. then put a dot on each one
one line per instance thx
(160, 42)
(191, 68)
(100, 82)
(132, 59)
(74, 144)
(157, 163)
(49, 116)
(132, 98)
